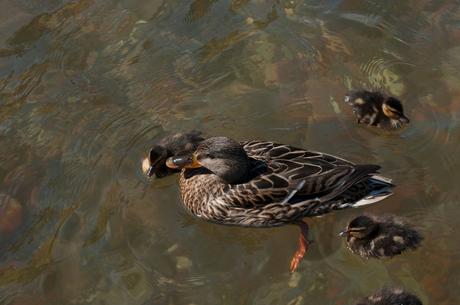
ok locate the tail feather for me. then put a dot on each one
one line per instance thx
(362, 172)
(372, 190)
(381, 188)
(381, 179)
(371, 199)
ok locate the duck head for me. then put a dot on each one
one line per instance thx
(393, 109)
(220, 155)
(360, 227)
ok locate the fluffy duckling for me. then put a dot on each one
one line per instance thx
(376, 109)
(391, 296)
(380, 236)
(180, 143)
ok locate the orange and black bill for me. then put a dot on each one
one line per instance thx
(188, 161)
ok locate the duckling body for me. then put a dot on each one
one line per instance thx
(180, 143)
(266, 184)
(380, 236)
(391, 296)
(376, 109)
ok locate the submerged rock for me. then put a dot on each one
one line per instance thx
(10, 215)
(183, 263)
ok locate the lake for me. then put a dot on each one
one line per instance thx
(88, 86)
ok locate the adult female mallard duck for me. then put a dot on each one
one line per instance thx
(180, 143)
(391, 296)
(265, 184)
(376, 109)
(380, 236)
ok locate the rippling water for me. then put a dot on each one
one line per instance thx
(87, 86)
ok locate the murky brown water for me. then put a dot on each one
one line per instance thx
(87, 86)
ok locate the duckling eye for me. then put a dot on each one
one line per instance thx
(210, 156)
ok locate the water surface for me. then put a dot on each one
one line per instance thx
(87, 86)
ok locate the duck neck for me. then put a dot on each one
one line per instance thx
(234, 171)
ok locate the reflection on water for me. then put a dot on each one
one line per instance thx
(86, 87)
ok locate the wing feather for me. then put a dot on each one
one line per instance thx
(321, 176)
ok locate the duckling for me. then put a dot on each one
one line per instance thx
(380, 236)
(180, 143)
(391, 296)
(376, 109)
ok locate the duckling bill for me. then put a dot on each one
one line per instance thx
(377, 109)
(180, 143)
(391, 296)
(380, 236)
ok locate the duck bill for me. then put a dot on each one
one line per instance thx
(404, 119)
(343, 233)
(183, 162)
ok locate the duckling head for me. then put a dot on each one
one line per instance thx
(393, 109)
(155, 162)
(360, 227)
(220, 155)
(177, 144)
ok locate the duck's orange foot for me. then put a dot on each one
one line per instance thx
(303, 246)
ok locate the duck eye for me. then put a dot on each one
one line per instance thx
(210, 156)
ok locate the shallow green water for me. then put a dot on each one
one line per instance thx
(87, 86)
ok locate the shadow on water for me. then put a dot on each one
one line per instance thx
(86, 87)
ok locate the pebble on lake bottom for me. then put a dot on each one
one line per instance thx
(183, 263)
(10, 214)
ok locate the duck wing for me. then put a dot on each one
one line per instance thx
(292, 175)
